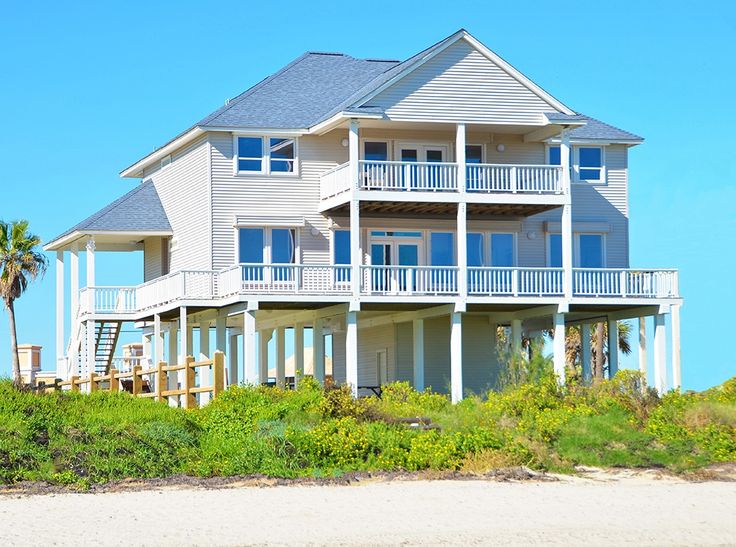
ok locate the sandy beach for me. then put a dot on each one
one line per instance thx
(598, 509)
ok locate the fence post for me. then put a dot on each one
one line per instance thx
(137, 381)
(218, 374)
(161, 381)
(190, 401)
(94, 383)
(73, 383)
(114, 380)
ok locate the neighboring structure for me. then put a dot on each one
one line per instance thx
(407, 209)
(29, 357)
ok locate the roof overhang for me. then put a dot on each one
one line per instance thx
(105, 240)
(341, 117)
(136, 170)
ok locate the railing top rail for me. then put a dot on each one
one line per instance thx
(398, 266)
(525, 268)
(533, 165)
(632, 270)
(336, 168)
(384, 162)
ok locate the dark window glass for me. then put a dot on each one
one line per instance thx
(443, 252)
(473, 153)
(375, 151)
(342, 247)
(591, 250)
(409, 154)
(502, 250)
(591, 161)
(434, 156)
(250, 152)
(555, 250)
(251, 246)
(282, 246)
(282, 155)
(554, 155)
(475, 249)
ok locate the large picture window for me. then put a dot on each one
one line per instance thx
(589, 250)
(267, 246)
(262, 155)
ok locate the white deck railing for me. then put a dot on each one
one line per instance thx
(614, 282)
(409, 280)
(376, 280)
(530, 179)
(335, 181)
(408, 176)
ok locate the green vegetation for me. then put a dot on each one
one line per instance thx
(70, 438)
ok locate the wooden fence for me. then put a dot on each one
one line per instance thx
(139, 381)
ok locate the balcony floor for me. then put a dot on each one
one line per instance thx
(434, 209)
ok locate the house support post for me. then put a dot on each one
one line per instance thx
(660, 354)
(676, 364)
(60, 358)
(585, 353)
(251, 370)
(418, 340)
(281, 356)
(318, 347)
(559, 346)
(643, 347)
(566, 224)
(74, 312)
(91, 349)
(264, 336)
(91, 345)
(462, 216)
(205, 373)
(456, 357)
(172, 378)
(184, 346)
(298, 352)
(157, 351)
(515, 337)
(232, 366)
(612, 347)
(356, 253)
(351, 351)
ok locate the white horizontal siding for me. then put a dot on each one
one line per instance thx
(152, 258)
(370, 342)
(461, 84)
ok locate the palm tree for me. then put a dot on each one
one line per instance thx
(20, 264)
(599, 345)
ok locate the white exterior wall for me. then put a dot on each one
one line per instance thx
(461, 84)
(152, 258)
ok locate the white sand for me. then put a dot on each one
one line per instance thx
(635, 510)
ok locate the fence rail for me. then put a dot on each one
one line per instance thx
(155, 385)
(601, 282)
(489, 281)
(414, 280)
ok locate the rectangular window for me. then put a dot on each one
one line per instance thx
(283, 246)
(590, 163)
(443, 249)
(554, 250)
(590, 250)
(502, 250)
(251, 245)
(282, 155)
(250, 154)
(341, 247)
(475, 249)
(473, 153)
(375, 151)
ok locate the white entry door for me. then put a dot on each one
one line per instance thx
(424, 176)
(394, 255)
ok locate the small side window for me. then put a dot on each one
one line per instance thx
(250, 154)
(590, 163)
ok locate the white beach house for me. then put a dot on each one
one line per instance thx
(405, 209)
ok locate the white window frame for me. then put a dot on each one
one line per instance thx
(333, 231)
(389, 151)
(266, 157)
(482, 150)
(267, 239)
(575, 163)
(576, 247)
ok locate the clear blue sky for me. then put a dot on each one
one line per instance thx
(89, 88)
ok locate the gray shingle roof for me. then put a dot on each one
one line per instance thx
(139, 210)
(597, 130)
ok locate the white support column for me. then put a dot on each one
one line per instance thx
(298, 352)
(205, 373)
(74, 280)
(456, 357)
(660, 354)
(351, 351)
(566, 224)
(90, 258)
(91, 348)
(318, 348)
(418, 338)
(221, 333)
(643, 347)
(612, 347)
(172, 380)
(251, 373)
(232, 370)
(462, 217)
(60, 357)
(585, 352)
(264, 336)
(356, 253)
(516, 337)
(559, 346)
(190, 339)
(147, 342)
(676, 364)
(157, 353)
(281, 356)
(183, 338)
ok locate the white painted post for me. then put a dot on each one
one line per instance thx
(298, 352)
(355, 246)
(318, 349)
(172, 379)
(516, 337)
(190, 339)
(612, 347)
(183, 339)
(232, 372)
(263, 338)
(147, 341)
(60, 358)
(456, 357)
(660, 354)
(221, 333)
(74, 279)
(281, 356)
(351, 351)
(676, 364)
(157, 355)
(566, 223)
(251, 372)
(90, 255)
(559, 346)
(586, 353)
(643, 347)
(205, 373)
(91, 348)
(462, 217)
(418, 327)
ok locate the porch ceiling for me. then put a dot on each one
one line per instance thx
(375, 208)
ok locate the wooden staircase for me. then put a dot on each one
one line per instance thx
(106, 339)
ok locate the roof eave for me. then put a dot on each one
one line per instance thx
(136, 170)
(62, 242)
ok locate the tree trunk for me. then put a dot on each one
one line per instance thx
(14, 343)
(598, 372)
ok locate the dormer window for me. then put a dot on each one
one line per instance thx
(265, 155)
